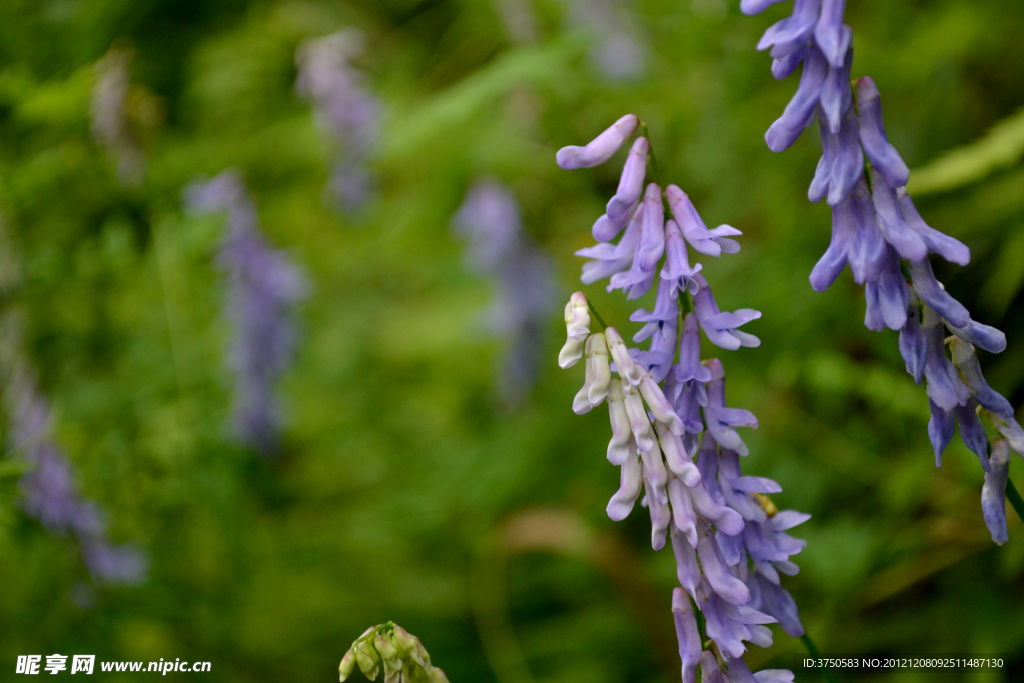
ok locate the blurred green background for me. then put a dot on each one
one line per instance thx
(408, 489)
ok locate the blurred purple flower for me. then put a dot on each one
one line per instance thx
(876, 228)
(263, 285)
(619, 53)
(497, 246)
(49, 493)
(344, 107)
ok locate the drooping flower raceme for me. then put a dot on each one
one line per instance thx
(498, 247)
(49, 492)
(667, 406)
(877, 231)
(344, 107)
(262, 286)
(401, 654)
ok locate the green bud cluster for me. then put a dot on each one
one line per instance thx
(402, 655)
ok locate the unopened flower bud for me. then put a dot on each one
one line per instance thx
(385, 647)
(601, 148)
(348, 663)
(367, 659)
(659, 405)
(993, 493)
(624, 364)
(577, 317)
(618, 446)
(638, 420)
(437, 676)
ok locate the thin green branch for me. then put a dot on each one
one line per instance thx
(600, 320)
(809, 644)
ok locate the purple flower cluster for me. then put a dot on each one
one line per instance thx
(666, 406)
(344, 107)
(262, 286)
(497, 246)
(877, 231)
(49, 493)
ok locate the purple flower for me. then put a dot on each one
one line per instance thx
(993, 493)
(49, 493)
(877, 230)
(489, 220)
(725, 543)
(618, 53)
(263, 285)
(342, 106)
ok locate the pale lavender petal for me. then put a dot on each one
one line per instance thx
(951, 249)
(884, 157)
(631, 480)
(798, 112)
(829, 33)
(836, 93)
(941, 428)
(972, 432)
(993, 493)
(913, 344)
(931, 292)
(601, 148)
(631, 183)
(848, 168)
(832, 262)
(686, 634)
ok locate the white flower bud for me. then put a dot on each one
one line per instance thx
(581, 403)
(597, 347)
(638, 420)
(618, 446)
(620, 354)
(678, 461)
(577, 317)
(570, 354)
(659, 405)
(631, 479)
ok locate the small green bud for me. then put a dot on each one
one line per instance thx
(386, 648)
(348, 663)
(437, 676)
(403, 640)
(368, 659)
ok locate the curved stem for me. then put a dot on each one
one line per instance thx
(809, 644)
(600, 320)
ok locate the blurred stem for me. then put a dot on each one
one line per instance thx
(170, 289)
(1013, 496)
(812, 648)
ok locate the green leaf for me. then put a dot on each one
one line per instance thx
(1001, 147)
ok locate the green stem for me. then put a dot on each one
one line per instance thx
(652, 162)
(600, 320)
(1013, 496)
(809, 644)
